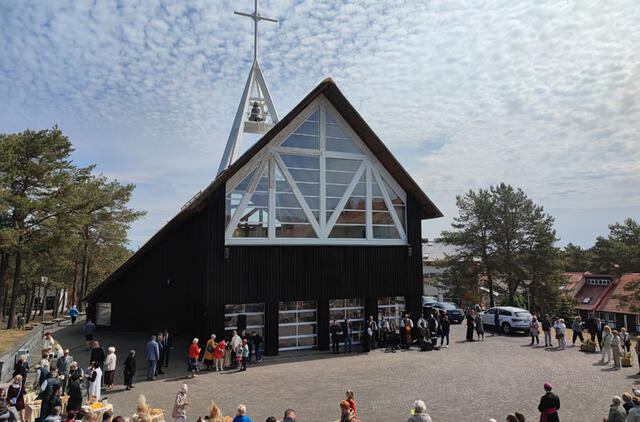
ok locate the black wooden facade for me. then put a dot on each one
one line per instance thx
(185, 275)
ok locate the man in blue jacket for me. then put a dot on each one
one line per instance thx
(153, 353)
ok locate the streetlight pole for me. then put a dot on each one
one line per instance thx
(43, 282)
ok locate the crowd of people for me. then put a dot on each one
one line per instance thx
(58, 373)
(612, 343)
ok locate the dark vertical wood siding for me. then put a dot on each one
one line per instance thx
(203, 280)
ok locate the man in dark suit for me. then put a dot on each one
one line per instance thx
(335, 332)
(599, 327)
(167, 344)
(160, 341)
(347, 333)
(590, 324)
(549, 405)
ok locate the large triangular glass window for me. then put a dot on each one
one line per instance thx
(254, 220)
(306, 135)
(336, 139)
(397, 202)
(382, 221)
(235, 196)
(305, 172)
(291, 220)
(338, 176)
(352, 221)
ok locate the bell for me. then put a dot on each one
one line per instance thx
(256, 113)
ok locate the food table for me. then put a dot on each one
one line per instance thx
(32, 406)
(97, 409)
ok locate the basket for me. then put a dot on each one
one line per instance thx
(626, 362)
(591, 348)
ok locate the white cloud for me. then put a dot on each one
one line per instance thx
(542, 95)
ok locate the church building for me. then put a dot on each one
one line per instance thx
(317, 221)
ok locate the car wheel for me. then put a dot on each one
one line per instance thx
(506, 328)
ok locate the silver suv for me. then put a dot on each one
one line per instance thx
(510, 319)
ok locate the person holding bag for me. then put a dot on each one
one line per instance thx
(15, 395)
(605, 345)
(625, 338)
(209, 350)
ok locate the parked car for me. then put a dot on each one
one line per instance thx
(456, 315)
(511, 319)
(429, 300)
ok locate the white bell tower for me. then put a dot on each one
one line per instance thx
(256, 112)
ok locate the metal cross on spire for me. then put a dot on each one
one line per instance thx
(256, 18)
(256, 111)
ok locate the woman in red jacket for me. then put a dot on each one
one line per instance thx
(194, 354)
(218, 355)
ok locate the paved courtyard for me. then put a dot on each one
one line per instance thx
(466, 382)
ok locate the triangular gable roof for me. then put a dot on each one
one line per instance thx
(330, 90)
(359, 126)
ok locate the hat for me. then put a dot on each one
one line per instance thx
(547, 386)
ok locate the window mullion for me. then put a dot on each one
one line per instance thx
(345, 197)
(271, 232)
(323, 175)
(390, 207)
(368, 204)
(245, 200)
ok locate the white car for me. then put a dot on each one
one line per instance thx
(511, 319)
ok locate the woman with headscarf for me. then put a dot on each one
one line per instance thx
(209, 351)
(110, 367)
(179, 413)
(194, 354)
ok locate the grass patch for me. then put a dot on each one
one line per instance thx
(9, 337)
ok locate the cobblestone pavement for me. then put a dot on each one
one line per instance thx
(466, 382)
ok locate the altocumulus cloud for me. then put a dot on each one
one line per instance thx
(542, 95)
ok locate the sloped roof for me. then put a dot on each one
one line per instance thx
(610, 304)
(330, 90)
(592, 291)
(574, 283)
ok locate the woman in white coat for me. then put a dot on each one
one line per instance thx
(95, 380)
(109, 367)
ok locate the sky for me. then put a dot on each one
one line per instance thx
(543, 95)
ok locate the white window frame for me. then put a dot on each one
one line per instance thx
(236, 314)
(391, 306)
(345, 310)
(297, 324)
(270, 156)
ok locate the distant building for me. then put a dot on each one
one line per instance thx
(431, 252)
(595, 293)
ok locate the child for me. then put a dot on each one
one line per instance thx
(238, 351)
(351, 400)
(245, 354)
(55, 415)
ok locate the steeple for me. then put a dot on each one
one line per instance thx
(256, 111)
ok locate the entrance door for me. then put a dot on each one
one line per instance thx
(392, 308)
(352, 309)
(297, 326)
(247, 316)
